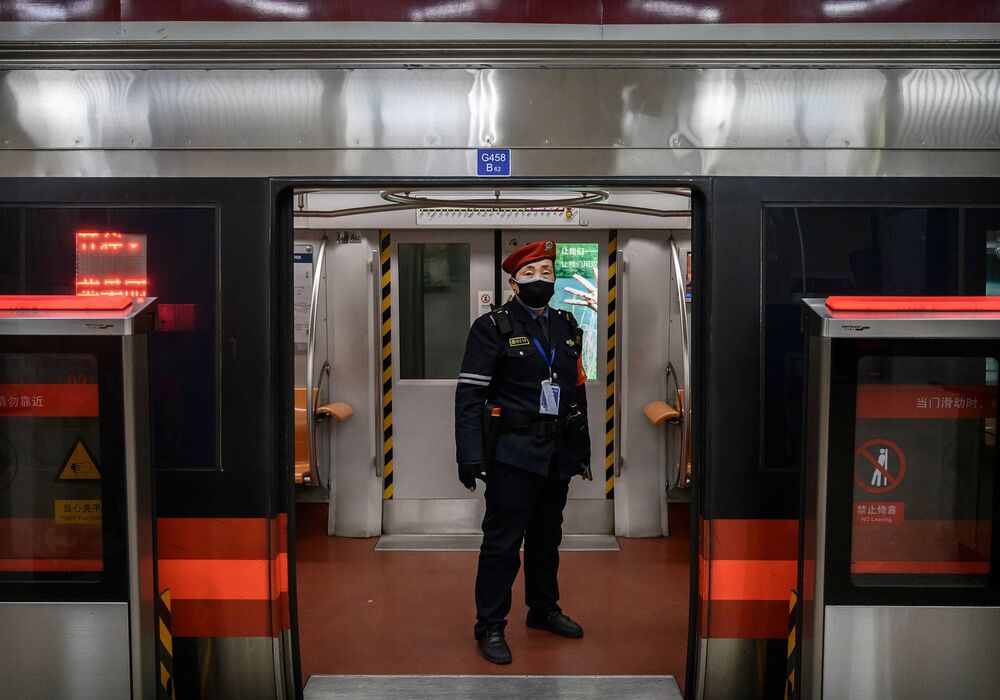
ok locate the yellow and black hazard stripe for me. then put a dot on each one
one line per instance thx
(792, 661)
(165, 648)
(386, 307)
(609, 396)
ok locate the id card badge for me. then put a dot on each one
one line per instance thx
(548, 404)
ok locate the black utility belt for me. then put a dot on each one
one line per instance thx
(539, 429)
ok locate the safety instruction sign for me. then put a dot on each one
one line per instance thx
(79, 464)
(302, 270)
(485, 299)
(49, 400)
(76, 511)
(879, 512)
(923, 461)
(879, 466)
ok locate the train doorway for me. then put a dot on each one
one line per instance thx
(383, 302)
(440, 281)
(433, 273)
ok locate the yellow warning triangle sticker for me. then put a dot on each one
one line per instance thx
(79, 464)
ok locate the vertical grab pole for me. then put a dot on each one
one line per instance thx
(375, 347)
(326, 478)
(311, 360)
(685, 363)
(621, 363)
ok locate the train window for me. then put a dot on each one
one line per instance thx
(823, 250)
(51, 523)
(39, 255)
(924, 462)
(434, 293)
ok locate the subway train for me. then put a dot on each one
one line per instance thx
(309, 206)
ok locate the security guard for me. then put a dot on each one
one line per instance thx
(521, 427)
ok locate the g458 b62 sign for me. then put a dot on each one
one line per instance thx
(493, 162)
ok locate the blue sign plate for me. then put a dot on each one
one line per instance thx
(493, 162)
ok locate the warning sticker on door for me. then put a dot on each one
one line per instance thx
(485, 298)
(878, 513)
(79, 464)
(879, 466)
(77, 511)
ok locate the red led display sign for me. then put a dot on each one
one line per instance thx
(111, 264)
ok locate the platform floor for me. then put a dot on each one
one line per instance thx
(364, 612)
(491, 687)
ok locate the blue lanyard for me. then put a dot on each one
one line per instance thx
(549, 362)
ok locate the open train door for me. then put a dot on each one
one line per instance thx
(381, 300)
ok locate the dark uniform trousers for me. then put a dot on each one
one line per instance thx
(520, 505)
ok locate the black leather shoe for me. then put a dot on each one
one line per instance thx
(555, 622)
(493, 645)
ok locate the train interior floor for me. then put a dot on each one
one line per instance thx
(368, 612)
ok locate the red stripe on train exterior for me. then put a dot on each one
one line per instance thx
(745, 570)
(228, 576)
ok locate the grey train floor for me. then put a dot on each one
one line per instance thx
(492, 687)
(369, 613)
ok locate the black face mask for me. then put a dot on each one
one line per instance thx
(536, 293)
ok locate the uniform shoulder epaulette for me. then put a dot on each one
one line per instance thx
(568, 317)
(574, 326)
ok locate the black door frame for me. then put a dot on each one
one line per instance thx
(282, 223)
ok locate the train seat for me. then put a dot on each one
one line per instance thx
(337, 411)
(660, 412)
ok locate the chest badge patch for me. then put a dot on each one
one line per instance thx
(570, 342)
(518, 340)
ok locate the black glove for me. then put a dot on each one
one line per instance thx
(577, 434)
(467, 473)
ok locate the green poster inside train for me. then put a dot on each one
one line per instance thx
(577, 266)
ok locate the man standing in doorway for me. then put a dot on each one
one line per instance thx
(521, 427)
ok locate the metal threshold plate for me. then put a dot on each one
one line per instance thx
(492, 687)
(470, 543)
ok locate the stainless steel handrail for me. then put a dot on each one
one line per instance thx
(375, 425)
(686, 362)
(311, 357)
(620, 345)
(323, 372)
(672, 378)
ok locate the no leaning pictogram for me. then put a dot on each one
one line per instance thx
(879, 465)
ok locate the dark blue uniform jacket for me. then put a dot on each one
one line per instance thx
(508, 371)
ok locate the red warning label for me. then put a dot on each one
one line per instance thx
(879, 465)
(48, 400)
(926, 401)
